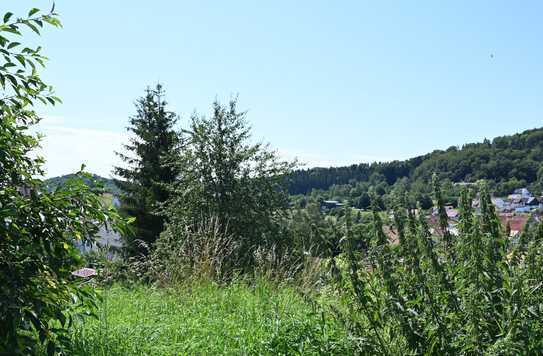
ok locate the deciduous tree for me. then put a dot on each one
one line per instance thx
(223, 175)
(37, 228)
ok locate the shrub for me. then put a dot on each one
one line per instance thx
(38, 301)
(222, 175)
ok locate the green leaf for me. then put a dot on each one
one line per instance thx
(33, 11)
(12, 29)
(7, 16)
(32, 27)
(21, 59)
(12, 79)
(13, 44)
(52, 21)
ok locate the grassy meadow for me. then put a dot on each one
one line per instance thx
(204, 318)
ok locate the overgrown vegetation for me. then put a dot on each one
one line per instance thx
(223, 261)
(38, 301)
(224, 178)
(434, 293)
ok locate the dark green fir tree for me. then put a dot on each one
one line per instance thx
(143, 178)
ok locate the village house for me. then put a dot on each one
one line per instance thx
(515, 223)
(330, 204)
(452, 213)
(521, 201)
(499, 203)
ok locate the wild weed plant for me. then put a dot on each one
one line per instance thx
(437, 293)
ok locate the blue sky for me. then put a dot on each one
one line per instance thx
(331, 83)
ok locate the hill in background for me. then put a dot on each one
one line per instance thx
(108, 183)
(506, 162)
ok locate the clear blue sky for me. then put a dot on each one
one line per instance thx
(328, 82)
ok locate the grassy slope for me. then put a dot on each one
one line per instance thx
(207, 319)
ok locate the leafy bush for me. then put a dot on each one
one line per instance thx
(204, 251)
(208, 252)
(38, 300)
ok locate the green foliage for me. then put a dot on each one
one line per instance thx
(143, 179)
(223, 176)
(435, 293)
(316, 233)
(202, 252)
(19, 79)
(203, 318)
(38, 300)
(311, 231)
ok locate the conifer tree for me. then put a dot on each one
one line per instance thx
(145, 175)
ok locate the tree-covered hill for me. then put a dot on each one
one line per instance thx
(108, 184)
(507, 162)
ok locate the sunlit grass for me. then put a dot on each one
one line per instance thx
(204, 318)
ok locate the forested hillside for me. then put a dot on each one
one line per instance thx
(507, 162)
(108, 184)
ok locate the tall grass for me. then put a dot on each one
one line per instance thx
(204, 318)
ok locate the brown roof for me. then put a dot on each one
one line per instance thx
(516, 222)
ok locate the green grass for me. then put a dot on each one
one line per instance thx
(204, 318)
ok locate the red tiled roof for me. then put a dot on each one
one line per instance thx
(516, 222)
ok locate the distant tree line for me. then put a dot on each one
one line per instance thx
(506, 163)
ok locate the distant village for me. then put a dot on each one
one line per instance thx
(514, 211)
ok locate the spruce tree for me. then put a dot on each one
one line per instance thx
(145, 175)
